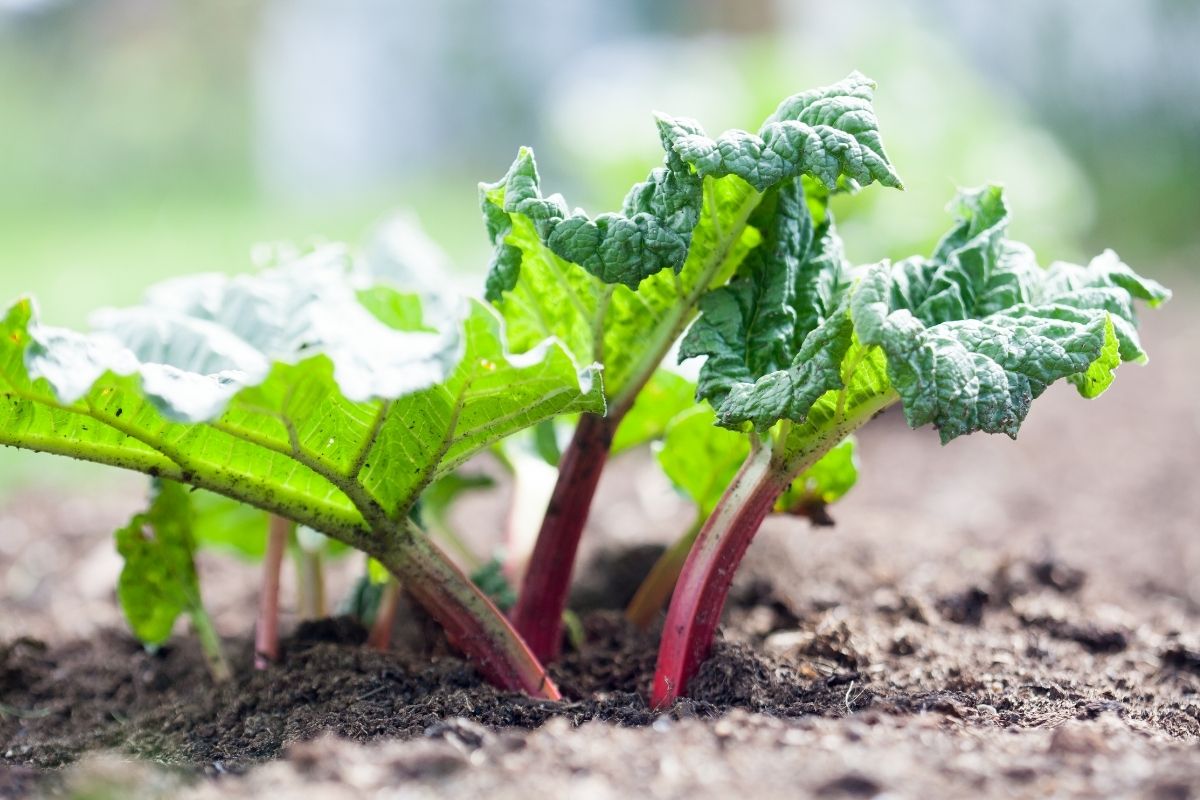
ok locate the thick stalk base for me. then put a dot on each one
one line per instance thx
(472, 622)
(543, 596)
(700, 594)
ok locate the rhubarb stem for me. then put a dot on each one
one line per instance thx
(266, 635)
(652, 595)
(380, 637)
(472, 622)
(543, 596)
(703, 585)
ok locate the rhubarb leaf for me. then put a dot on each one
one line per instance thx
(785, 288)
(971, 336)
(663, 398)
(824, 133)
(158, 581)
(700, 458)
(620, 288)
(323, 434)
(228, 525)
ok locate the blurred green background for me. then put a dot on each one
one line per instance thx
(145, 138)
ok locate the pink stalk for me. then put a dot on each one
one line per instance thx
(266, 633)
(472, 622)
(703, 586)
(543, 595)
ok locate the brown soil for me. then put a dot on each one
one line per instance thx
(990, 619)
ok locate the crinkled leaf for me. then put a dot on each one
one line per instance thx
(692, 215)
(825, 133)
(158, 581)
(784, 289)
(790, 393)
(971, 336)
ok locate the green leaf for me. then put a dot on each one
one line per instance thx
(1100, 375)
(343, 438)
(662, 399)
(784, 289)
(971, 336)
(377, 573)
(816, 370)
(401, 312)
(158, 581)
(621, 288)
(825, 133)
(545, 442)
(199, 340)
(229, 525)
(700, 458)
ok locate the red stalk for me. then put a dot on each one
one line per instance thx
(472, 622)
(703, 585)
(543, 596)
(266, 629)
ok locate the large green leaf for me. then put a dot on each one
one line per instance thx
(621, 288)
(342, 430)
(970, 336)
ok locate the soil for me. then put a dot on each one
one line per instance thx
(989, 619)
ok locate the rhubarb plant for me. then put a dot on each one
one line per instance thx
(303, 392)
(620, 288)
(801, 351)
